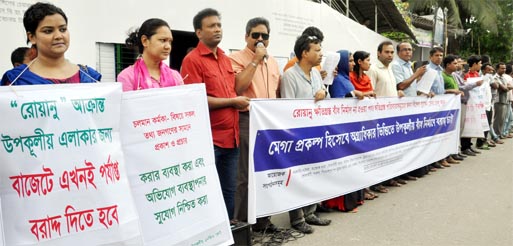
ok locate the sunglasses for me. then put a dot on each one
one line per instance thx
(255, 35)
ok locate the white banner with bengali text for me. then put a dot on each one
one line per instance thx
(303, 152)
(476, 122)
(171, 166)
(63, 178)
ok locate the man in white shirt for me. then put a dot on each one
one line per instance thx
(487, 72)
(509, 114)
(381, 74)
(384, 84)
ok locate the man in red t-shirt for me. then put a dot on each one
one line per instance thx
(208, 64)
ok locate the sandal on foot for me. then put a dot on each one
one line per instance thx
(379, 188)
(393, 183)
(372, 195)
(368, 196)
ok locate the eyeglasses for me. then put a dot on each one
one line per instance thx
(406, 49)
(313, 37)
(256, 35)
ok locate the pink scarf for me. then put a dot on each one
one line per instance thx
(143, 79)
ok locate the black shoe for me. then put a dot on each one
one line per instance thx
(469, 152)
(314, 220)
(304, 228)
(457, 157)
(475, 151)
(437, 165)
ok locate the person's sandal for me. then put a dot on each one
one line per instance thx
(393, 183)
(368, 196)
(379, 188)
(368, 193)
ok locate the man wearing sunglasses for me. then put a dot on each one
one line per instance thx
(257, 76)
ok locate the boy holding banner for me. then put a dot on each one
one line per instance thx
(474, 63)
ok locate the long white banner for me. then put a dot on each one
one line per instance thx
(171, 166)
(62, 178)
(303, 152)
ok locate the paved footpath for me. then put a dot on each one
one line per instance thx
(470, 203)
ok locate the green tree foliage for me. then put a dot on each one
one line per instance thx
(480, 40)
(485, 12)
(487, 24)
(397, 36)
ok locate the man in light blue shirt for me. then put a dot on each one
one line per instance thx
(436, 55)
(403, 73)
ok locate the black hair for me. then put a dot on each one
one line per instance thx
(359, 55)
(380, 46)
(148, 29)
(485, 59)
(303, 44)
(36, 13)
(448, 59)
(398, 47)
(498, 65)
(485, 65)
(255, 22)
(473, 60)
(436, 49)
(18, 55)
(509, 68)
(196, 21)
(313, 31)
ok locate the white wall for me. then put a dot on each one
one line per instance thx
(107, 21)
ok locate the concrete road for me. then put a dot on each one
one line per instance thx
(467, 204)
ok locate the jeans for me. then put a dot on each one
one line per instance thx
(499, 118)
(226, 165)
(508, 121)
(493, 135)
